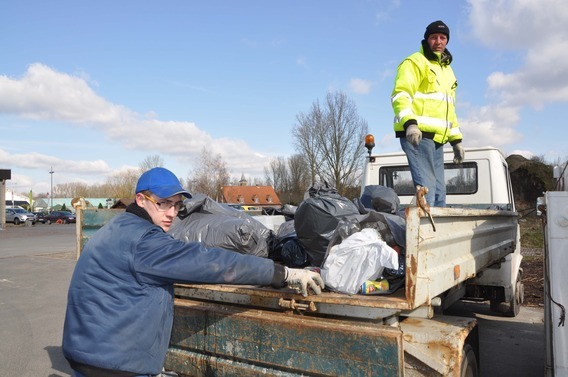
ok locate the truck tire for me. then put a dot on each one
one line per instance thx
(469, 367)
(513, 307)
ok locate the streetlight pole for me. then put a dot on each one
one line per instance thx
(51, 192)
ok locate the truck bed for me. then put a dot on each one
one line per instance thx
(465, 242)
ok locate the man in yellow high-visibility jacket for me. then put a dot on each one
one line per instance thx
(423, 100)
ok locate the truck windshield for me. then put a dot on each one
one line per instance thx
(460, 179)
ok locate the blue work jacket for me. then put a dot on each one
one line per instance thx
(120, 302)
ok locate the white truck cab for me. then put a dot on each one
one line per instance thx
(482, 181)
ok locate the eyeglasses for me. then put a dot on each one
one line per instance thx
(166, 205)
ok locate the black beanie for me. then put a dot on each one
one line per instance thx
(437, 27)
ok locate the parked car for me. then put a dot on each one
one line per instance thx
(19, 215)
(40, 217)
(61, 217)
(235, 206)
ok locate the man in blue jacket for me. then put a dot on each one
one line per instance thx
(120, 302)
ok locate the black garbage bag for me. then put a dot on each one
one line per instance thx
(380, 198)
(316, 219)
(391, 228)
(293, 254)
(284, 233)
(286, 229)
(216, 225)
(203, 204)
(286, 248)
(286, 210)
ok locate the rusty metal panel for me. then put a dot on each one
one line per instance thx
(434, 346)
(465, 242)
(233, 338)
(336, 304)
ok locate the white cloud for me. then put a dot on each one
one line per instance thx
(360, 86)
(536, 32)
(517, 24)
(45, 94)
(490, 126)
(537, 29)
(526, 154)
(37, 160)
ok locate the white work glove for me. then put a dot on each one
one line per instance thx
(459, 153)
(301, 279)
(413, 135)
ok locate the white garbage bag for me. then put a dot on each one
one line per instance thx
(360, 257)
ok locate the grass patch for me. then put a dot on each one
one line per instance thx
(532, 233)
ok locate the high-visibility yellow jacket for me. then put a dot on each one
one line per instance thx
(424, 94)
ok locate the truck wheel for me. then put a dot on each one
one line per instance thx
(514, 306)
(469, 366)
(16, 221)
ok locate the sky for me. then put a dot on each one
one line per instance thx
(90, 89)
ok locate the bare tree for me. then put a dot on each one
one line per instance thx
(307, 136)
(331, 138)
(257, 181)
(120, 185)
(70, 190)
(278, 174)
(299, 178)
(123, 185)
(210, 175)
(268, 180)
(153, 161)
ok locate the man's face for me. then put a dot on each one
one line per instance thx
(156, 208)
(437, 42)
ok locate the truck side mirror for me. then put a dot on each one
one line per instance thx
(539, 205)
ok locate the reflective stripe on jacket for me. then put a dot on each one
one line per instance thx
(425, 92)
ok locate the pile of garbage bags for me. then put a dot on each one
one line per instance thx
(358, 245)
(216, 225)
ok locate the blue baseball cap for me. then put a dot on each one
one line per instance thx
(161, 182)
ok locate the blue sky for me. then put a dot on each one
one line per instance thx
(92, 88)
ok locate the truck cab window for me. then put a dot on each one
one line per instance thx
(460, 179)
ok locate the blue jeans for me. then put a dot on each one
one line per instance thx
(426, 162)
(79, 374)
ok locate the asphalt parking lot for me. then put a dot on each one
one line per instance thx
(36, 264)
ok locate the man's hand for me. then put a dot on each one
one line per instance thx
(413, 135)
(299, 278)
(459, 153)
